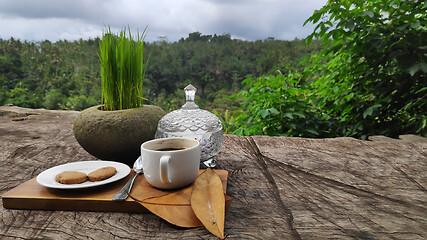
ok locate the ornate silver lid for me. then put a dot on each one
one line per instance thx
(193, 122)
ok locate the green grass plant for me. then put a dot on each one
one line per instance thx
(122, 69)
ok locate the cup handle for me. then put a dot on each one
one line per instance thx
(164, 166)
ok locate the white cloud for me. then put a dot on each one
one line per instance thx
(248, 19)
(53, 29)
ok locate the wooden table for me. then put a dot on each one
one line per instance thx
(283, 188)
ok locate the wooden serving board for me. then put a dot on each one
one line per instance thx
(31, 195)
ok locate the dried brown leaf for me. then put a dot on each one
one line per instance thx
(174, 208)
(208, 202)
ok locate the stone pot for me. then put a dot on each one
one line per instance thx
(116, 135)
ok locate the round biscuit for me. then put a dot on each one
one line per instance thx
(71, 177)
(102, 173)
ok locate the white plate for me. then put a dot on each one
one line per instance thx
(47, 177)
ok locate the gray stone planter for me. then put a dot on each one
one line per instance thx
(116, 135)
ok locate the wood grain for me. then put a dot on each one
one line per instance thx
(283, 188)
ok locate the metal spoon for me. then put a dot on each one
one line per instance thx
(123, 193)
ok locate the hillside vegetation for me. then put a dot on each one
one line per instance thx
(66, 75)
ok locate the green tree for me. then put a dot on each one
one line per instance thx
(374, 79)
(11, 72)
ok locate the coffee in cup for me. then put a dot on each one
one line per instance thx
(170, 163)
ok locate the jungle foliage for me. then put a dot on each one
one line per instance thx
(369, 79)
(66, 75)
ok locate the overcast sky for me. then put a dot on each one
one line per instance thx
(38, 20)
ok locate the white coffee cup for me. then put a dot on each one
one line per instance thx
(170, 163)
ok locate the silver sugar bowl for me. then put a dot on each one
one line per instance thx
(192, 122)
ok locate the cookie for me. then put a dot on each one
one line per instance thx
(102, 173)
(71, 177)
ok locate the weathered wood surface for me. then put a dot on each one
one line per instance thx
(283, 188)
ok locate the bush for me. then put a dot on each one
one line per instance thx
(79, 103)
(54, 99)
(280, 106)
(22, 97)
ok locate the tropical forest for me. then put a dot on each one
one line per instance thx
(361, 72)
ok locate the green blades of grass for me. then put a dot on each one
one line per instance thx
(122, 69)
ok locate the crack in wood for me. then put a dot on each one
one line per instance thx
(260, 159)
(344, 187)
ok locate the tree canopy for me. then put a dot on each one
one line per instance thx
(369, 79)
